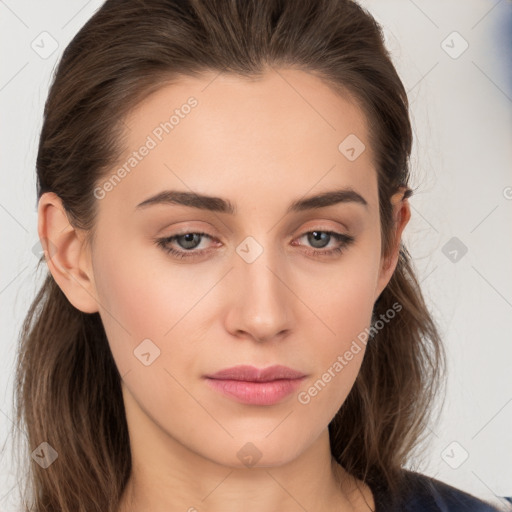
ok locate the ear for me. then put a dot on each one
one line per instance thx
(67, 255)
(401, 216)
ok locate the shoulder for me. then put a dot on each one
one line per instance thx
(421, 493)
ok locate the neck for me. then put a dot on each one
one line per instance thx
(175, 479)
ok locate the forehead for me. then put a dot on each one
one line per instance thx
(213, 133)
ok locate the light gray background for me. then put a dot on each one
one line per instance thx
(461, 108)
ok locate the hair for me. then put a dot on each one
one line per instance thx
(68, 388)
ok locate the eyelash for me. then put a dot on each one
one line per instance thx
(344, 241)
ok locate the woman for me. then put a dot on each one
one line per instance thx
(230, 320)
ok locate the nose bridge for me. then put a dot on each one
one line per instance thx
(263, 300)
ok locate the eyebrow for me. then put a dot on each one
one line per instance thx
(220, 205)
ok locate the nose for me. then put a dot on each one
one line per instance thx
(261, 304)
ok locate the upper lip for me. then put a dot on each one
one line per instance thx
(253, 374)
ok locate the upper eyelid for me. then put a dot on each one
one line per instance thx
(341, 230)
(204, 233)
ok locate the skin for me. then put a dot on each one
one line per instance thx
(261, 144)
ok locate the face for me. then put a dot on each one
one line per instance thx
(186, 290)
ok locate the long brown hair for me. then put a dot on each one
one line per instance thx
(68, 390)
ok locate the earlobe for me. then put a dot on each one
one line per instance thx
(401, 216)
(66, 255)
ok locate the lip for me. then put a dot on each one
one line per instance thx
(253, 374)
(250, 385)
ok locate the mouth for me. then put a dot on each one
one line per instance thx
(250, 385)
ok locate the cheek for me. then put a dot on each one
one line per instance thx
(343, 304)
(129, 292)
(158, 301)
(342, 296)
(340, 346)
(150, 314)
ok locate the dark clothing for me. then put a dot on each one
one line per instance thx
(421, 493)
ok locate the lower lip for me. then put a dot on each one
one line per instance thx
(256, 393)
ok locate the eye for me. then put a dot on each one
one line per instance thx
(190, 241)
(320, 239)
